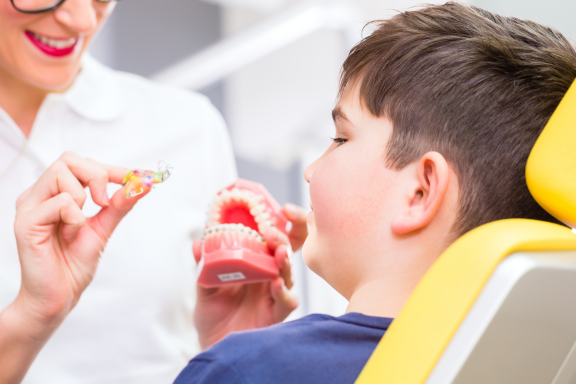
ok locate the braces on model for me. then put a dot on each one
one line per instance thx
(251, 201)
(233, 227)
(233, 245)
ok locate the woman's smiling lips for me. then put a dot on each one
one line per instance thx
(56, 47)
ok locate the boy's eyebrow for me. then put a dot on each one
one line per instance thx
(338, 114)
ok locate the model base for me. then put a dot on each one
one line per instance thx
(235, 266)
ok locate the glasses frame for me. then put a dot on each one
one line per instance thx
(56, 5)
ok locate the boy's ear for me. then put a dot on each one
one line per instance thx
(425, 194)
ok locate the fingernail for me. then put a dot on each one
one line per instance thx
(292, 210)
(106, 199)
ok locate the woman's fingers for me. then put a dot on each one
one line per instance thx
(115, 174)
(108, 218)
(299, 230)
(71, 217)
(57, 179)
(94, 175)
(23, 196)
(71, 174)
(59, 209)
(285, 301)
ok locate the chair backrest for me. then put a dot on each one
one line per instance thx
(499, 305)
(551, 167)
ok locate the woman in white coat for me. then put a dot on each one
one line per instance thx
(135, 323)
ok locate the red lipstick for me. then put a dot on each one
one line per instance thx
(50, 45)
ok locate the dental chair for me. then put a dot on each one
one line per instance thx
(499, 305)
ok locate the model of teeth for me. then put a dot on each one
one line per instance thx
(234, 249)
(58, 44)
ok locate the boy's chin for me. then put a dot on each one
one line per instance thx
(312, 254)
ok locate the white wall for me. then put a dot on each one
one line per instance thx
(145, 36)
(279, 103)
(560, 14)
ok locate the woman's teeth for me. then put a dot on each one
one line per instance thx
(58, 44)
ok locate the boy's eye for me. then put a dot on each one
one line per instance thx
(339, 140)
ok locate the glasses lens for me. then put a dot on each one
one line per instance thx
(34, 5)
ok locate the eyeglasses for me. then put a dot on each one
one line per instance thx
(39, 6)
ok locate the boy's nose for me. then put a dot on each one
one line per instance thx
(77, 15)
(309, 171)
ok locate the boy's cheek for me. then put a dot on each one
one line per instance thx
(346, 205)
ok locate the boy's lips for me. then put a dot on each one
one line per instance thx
(310, 217)
(56, 47)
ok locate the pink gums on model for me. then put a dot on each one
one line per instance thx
(233, 248)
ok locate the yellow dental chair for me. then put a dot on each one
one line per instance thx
(499, 306)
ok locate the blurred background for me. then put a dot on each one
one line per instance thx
(271, 68)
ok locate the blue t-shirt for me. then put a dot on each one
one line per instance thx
(314, 349)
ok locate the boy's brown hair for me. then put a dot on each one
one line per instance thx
(474, 86)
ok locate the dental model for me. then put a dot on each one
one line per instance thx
(138, 181)
(233, 247)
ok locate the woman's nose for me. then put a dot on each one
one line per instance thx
(77, 15)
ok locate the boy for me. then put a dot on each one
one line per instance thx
(438, 111)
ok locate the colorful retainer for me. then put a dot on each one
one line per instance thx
(233, 248)
(139, 181)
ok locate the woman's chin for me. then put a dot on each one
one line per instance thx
(52, 80)
(46, 72)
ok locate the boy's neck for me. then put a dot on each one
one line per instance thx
(384, 294)
(381, 298)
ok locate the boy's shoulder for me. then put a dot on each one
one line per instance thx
(316, 348)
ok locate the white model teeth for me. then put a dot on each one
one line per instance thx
(232, 228)
(253, 202)
(58, 44)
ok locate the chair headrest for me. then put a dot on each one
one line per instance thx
(551, 167)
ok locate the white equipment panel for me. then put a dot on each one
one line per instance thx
(522, 327)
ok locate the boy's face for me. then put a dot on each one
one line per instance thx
(354, 199)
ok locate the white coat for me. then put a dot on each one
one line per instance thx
(134, 322)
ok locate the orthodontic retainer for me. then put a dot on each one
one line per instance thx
(139, 181)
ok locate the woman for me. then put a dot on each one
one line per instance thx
(135, 323)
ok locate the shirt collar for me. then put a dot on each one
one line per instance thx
(95, 94)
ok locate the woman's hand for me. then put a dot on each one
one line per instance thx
(222, 310)
(59, 249)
